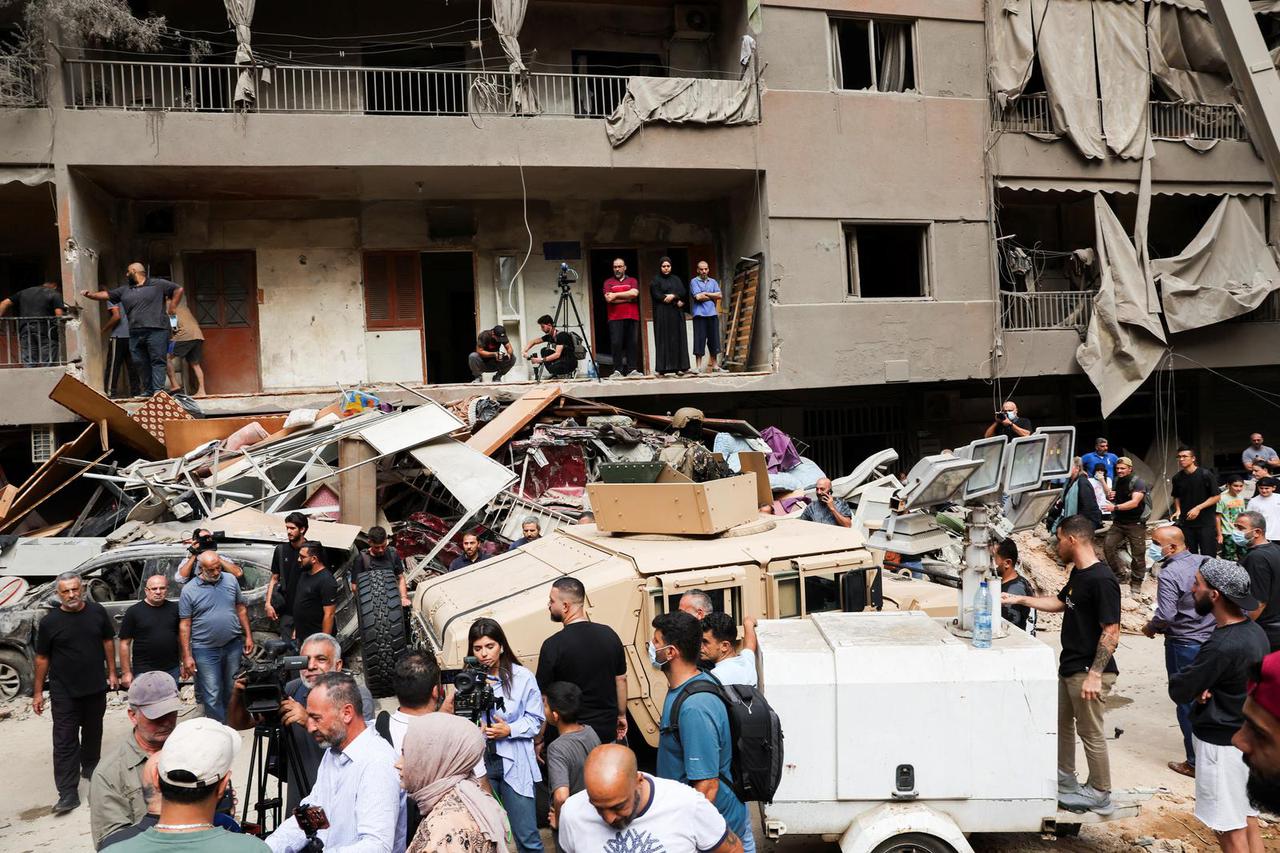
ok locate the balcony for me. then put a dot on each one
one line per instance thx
(21, 83)
(1168, 121)
(33, 341)
(1071, 309)
(336, 90)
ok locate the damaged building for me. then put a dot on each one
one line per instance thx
(915, 208)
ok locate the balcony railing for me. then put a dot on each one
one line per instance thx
(210, 87)
(1267, 312)
(1174, 121)
(33, 341)
(21, 83)
(1055, 309)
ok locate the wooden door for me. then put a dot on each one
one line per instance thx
(222, 289)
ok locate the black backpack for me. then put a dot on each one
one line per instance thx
(382, 725)
(755, 731)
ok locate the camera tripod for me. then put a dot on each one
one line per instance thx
(561, 316)
(271, 737)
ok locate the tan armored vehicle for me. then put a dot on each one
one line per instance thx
(767, 568)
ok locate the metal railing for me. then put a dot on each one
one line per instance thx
(1055, 309)
(33, 341)
(21, 82)
(210, 87)
(1267, 312)
(1176, 121)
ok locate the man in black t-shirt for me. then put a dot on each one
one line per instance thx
(317, 593)
(558, 355)
(1262, 562)
(148, 304)
(1008, 424)
(37, 309)
(1195, 494)
(381, 555)
(72, 644)
(1127, 530)
(1090, 602)
(492, 355)
(149, 633)
(589, 655)
(284, 574)
(1005, 557)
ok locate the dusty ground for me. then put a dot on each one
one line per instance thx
(1142, 711)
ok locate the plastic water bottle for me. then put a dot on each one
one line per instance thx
(982, 617)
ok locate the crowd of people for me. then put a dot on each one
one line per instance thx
(557, 353)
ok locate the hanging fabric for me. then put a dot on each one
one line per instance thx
(240, 15)
(1011, 46)
(682, 100)
(1124, 74)
(508, 19)
(1186, 58)
(837, 62)
(892, 47)
(1064, 41)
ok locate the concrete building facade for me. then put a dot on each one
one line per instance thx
(369, 215)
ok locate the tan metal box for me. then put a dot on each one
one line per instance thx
(711, 507)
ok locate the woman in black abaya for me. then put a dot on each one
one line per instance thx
(670, 297)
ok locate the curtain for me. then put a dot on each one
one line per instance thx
(508, 19)
(1226, 271)
(1120, 40)
(240, 16)
(1186, 57)
(1010, 44)
(1124, 342)
(892, 45)
(1065, 45)
(837, 63)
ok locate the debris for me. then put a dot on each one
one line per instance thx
(514, 418)
(111, 418)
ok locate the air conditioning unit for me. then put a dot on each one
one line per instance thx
(693, 22)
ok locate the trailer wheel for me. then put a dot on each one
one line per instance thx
(383, 638)
(913, 842)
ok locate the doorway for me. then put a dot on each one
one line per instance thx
(600, 270)
(449, 314)
(223, 291)
(603, 79)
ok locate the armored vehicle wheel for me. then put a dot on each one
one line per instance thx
(913, 842)
(383, 634)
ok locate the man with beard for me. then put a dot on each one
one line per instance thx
(588, 654)
(285, 569)
(324, 655)
(1217, 680)
(1258, 738)
(116, 798)
(357, 786)
(624, 809)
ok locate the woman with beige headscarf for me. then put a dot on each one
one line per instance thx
(441, 752)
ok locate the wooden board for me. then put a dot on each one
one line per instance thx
(186, 435)
(740, 319)
(513, 418)
(73, 394)
(55, 475)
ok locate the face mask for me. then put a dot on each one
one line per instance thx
(653, 656)
(1239, 539)
(1154, 554)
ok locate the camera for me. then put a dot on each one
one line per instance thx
(1002, 416)
(206, 540)
(473, 693)
(565, 279)
(311, 819)
(265, 678)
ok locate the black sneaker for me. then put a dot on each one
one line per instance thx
(66, 803)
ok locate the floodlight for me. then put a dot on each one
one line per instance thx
(986, 480)
(937, 480)
(1031, 508)
(1024, 464)
(1060, 450)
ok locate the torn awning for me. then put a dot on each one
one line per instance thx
(682, 100)
(1125, 341)
(1186, 58)
(1011, 46)
(1226, 271)
(31, 176)
(1129, 186)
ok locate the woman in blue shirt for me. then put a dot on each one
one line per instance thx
(509, 731)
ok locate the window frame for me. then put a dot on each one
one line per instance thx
(397, 319)
(849, 229)
(871, 21)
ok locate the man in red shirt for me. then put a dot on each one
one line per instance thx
(622, 293)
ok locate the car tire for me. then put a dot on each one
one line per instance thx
(913, 842)
(383, 634)
(16, 675)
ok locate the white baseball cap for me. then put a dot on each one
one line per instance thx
(202, 747)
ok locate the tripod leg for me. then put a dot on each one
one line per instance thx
(582, 329)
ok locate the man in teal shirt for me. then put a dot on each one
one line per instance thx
(697, 748)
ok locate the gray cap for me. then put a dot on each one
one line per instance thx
(154, 694)
(1231, 580)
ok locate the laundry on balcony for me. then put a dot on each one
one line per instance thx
(680, 100)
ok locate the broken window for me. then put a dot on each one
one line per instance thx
(872, 53)
(887, 261)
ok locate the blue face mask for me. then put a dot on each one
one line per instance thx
(1154, 554)
(1239, 539)
(653, 656)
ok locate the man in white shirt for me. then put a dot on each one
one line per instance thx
(1267, 502)
(357, 785)
(720, 649)
(623, 809)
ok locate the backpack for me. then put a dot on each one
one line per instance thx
(754, 730)
(411, 814)
(579, 346)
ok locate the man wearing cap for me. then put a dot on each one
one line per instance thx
(493, 355)
(1267, 503)
(213, 628)
(116, 798)
(194, 770)
(357, 785)
(1217, 681)
(1258, 738)
(1127, 530)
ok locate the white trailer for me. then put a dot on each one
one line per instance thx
(900, 735)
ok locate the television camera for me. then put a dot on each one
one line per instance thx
(265, 678)
(473, 695)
